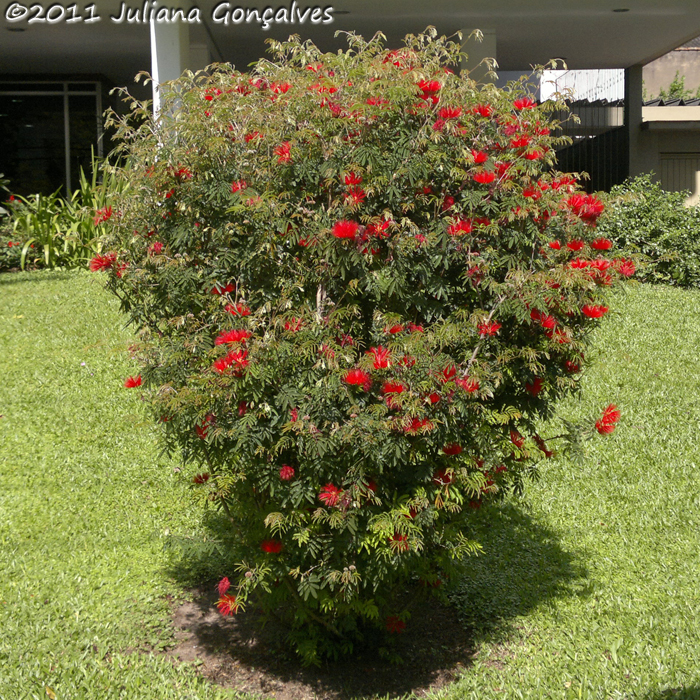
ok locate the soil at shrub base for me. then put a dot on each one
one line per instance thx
(235, 652)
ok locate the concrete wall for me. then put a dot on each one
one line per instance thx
(659, 73)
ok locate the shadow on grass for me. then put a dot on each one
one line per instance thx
(21, 276)
(523, 566)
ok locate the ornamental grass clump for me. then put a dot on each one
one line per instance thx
(359, 285)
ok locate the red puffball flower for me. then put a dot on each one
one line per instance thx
(234, 336)
(516, 438)
(572, 367)
(533, 155)
(447, 374)
(442, 477)
(542, 445)
(352, 179)
(606, 424)
(223, 586)
(480, 157)
(358, 377)
(330, 495)
(381, 357)
(156, 248)
(345, 229)
(488, 328)
(242, 408)
(485, 177)
(524, 103)
(234, 359)
(593, 311)
(102, 215)
(534, 387)
(448, 202)
(227, 604)
(601, 244)
(449, 112)
(103, 262)
(201, 478)
(468, 384)
(286, 472)
(452, 450)
(395, 625)
(434, 398)
(238, 185)
(218, 290)
(293, 325)
(237, 309)
(625, 267)
(283, 151)
(483, 110)
(460, 228)
(575, 245)
(271, 546)
(132, 382)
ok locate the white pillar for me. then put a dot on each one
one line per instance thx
(170, 49)
(477, 51)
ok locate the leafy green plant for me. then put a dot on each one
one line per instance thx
(359, 286)
(58, 232)
(648, 222)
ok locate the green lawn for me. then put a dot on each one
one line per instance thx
(588, 587)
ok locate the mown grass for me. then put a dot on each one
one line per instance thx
(588, 587)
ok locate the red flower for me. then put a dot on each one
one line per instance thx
(242, 408)
(293, 325)
(594, 311)
(468, 384)
(271, 546)
(236, 359)
(381, 357)
(460, 228)
(521, 141)
(534, 387)
(398, 328)
(132, 382)
(488, 328)
(480, 157)
(532, 193)
(234, 336)
(485, 177)
(393, 388)
(524, 103)
(448, 202)
(358, 377)
(575, 245)
(345, 229)
(483, 110)
(330, 495)
(227, 604)
(253, 135)
(533, 155)
(224, 585)
(353, 179)
(516, 438)
(606, 424)
(586, 207)
(102, 215)
(203, 429)
(395, 625)
(238, 185)
(401, 542)
(624, 267)
(201, 478)
(156, 248)
(442, 477)
(356, 195)
(416, 425)
(238, 309)
(218, 290)
(452, 449)
(448, 374)
(103, 262)
(434, 398)
(601, 244)
(450, 112)
(286, 472)
(572, 367)
(579, 264)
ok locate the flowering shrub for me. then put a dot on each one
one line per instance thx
(359, 284)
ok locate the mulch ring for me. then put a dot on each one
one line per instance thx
(236, 653)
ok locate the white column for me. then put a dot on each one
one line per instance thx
(170, 49)
(477, 51)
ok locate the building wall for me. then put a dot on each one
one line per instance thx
(659, 73)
